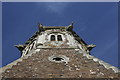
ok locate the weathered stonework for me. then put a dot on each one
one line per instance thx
(57, 52)
(38, 65)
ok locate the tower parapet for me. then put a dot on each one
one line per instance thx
(55, 37)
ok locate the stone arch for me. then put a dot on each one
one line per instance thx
(59, 38)
(52, 38)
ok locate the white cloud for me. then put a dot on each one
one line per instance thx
(112, 44)
(108, 47)
(56, 7)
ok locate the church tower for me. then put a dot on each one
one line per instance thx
(57, 52)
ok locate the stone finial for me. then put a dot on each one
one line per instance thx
(40, 26)
(91, 46)
(20, 47)
(70, 27)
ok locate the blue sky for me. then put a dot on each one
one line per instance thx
(95, 22)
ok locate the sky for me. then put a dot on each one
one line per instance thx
(95, 22)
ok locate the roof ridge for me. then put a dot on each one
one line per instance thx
(106, 65)
(9, 66)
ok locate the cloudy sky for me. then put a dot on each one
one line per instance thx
(95, 23)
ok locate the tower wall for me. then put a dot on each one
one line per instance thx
(43, 40)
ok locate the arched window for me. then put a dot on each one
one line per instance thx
(52, 37)
(59, 38)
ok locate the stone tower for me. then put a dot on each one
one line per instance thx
(57, 52)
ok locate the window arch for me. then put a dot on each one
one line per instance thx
(59, 38)
(52, 38)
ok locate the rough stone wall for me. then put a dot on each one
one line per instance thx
(43, 41)
(68, 40)
(69, 58)
(39, 65)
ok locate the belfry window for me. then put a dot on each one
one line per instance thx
(52, 37)
(59, 38)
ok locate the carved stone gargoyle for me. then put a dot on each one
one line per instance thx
(19, 47)
(91, 46)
